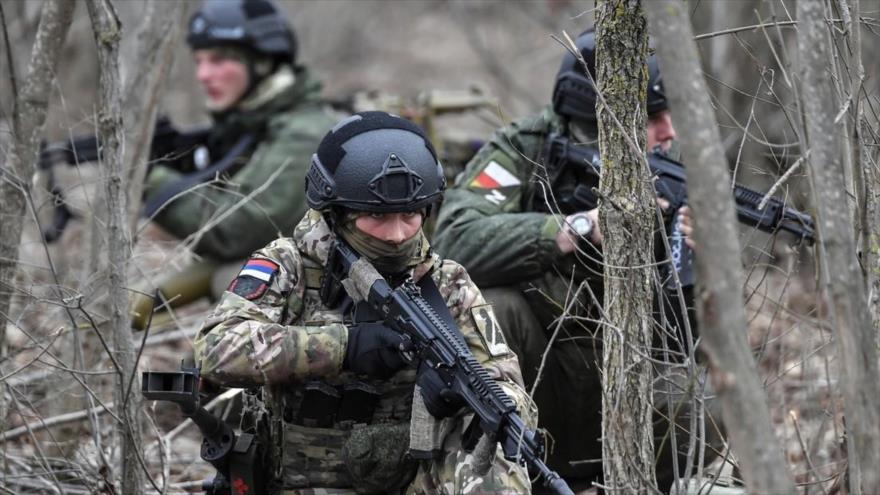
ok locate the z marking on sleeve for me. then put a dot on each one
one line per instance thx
(495, 197)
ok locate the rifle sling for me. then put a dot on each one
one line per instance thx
(225, 164)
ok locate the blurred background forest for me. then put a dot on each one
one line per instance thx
(406, 48)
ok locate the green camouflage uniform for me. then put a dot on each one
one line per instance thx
(287, 119)
(496, 223)
(286, 340)
(288, 127)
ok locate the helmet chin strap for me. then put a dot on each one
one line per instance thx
(258, 69)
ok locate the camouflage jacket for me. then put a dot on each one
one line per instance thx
(264, 198)
(500, 222)
(496, 221)
(489, 221)
(281, 336)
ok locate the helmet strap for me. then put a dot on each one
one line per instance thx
(259, 67)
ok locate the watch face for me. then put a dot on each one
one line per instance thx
(581, 225)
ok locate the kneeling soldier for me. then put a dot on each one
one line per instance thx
(334, 382)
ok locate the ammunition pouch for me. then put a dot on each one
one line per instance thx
(324, 406)
(377, 458)
(325, 433)
(319, 404)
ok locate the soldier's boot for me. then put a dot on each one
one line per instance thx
(188, 285)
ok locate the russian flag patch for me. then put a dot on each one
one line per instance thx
(494, 176)
(260, 269)
(254, 278)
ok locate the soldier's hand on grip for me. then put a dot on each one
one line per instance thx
(375, 350)
(441, 401)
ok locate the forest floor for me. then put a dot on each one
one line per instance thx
(795, 352)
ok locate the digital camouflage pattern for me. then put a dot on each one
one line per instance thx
(288, 119)
(286, 339)
(496, 224)
(492, 227)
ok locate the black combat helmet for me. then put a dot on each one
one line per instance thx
(375, 161)
(258, 25)
(574, 96)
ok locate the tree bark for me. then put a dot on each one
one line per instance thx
(720, 310)
(627, 223)
(29, 119)
(841, 277)
(107, 31)
(868, 180)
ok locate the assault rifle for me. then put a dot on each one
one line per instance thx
(170, 148)
(439, 346)
(235, 455)
(671, 185)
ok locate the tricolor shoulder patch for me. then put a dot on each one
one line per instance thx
(254, 278)
(494, 176)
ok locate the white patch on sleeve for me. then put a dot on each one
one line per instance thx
(495, 197)
(500, 175)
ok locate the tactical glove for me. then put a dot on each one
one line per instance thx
(440, 400)
(375, 350)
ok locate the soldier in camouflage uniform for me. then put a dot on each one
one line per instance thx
(518, 241)
(339, 395)
(268, 118)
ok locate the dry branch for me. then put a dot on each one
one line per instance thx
(59, 420)
(720, 308)
(29, 121)
(842, 282)
(157, 40)
(107, 31)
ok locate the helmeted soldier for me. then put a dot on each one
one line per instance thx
(515, 222)
(267, 119)
(340, 395)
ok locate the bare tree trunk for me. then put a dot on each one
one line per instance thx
(842, 280)
(157, 40)
(29, 116)
(627, 222)
(107, 31)
(867, 179)
(720, 308)
(728, 62)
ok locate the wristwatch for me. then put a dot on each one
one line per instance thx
(581, 224)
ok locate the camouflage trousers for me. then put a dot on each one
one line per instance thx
(453, 473)
(569, 395)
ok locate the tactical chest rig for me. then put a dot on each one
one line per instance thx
(346, 431)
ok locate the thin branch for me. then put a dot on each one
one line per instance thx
(10, 62)
(61, 419)
(788, 173)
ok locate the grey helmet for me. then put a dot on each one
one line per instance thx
(377, 162)
(574, 96)
(258, 25)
